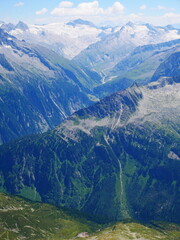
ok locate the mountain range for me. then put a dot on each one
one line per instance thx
(103, 46)
(89, 121)
(38, 78)
(117, 159)
(105, 54)
(68, 39)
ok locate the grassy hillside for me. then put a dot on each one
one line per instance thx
(137, 231)
(21, 219)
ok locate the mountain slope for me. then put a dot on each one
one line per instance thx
(38, 88)
(135, 231)
(140, 66)
(117, 159)
(22, 219)
(170, 67)
(103, 55)
(139, 62)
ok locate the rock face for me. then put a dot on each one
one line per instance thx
(115, 160)
(38, 88)
(83, 235)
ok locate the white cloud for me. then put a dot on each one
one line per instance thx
(160, 20)
(143, 7)
(116, 8)
(87, 9)
(160, 7)
(172, 18)
(114, 14)
(42, 11)
(65, 4)
(19, 4)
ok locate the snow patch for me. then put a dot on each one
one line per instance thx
(173, 156)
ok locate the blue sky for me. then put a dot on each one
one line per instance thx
(161, 12)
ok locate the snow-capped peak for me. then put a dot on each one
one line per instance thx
(69, 39)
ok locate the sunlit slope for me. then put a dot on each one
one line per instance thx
(21, 219)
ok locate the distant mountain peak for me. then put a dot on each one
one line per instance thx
(80, 21)
(130, 24)
(170, 27)
(21, 25)
(8, 27)
(151, 27)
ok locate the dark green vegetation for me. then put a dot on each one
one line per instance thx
(38, 88)
(118, 159)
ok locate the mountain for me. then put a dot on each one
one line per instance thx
(67, 39)
(38, 88)
(139, 62)
(7, 26)
(117, 159)
(10, 26)
(141, 66)
(170, 67)
(103, 55)
(22, 26)
(104, 50)
(22, 219)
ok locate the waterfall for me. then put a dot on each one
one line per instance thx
(121, 183)
(124, 209)
(122, 196)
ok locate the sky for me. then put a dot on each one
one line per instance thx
(157, 12)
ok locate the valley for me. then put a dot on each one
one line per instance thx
(89, 130)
